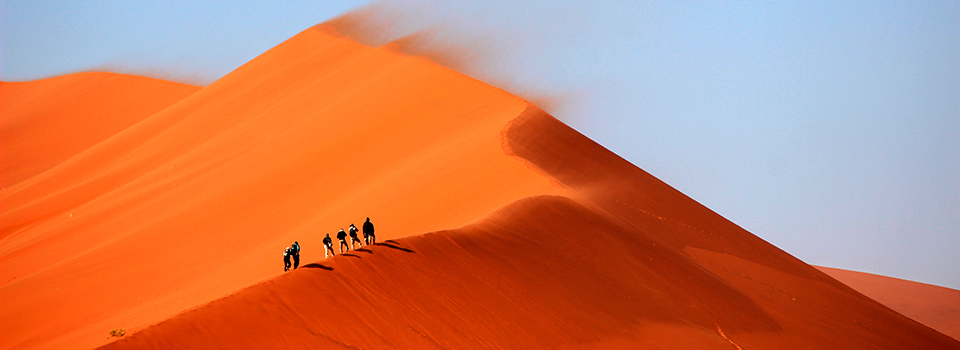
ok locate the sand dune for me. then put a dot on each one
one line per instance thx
(48, 121)
(541, 237)
(198, 200)
(934, 306)
(557, 272)
(543, 272)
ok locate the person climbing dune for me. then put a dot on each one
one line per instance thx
(353, 236)
(286, 258)
(328, 247)
(342, 236)
(368, 232)
(295, 250)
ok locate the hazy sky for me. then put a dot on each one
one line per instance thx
(830, 129)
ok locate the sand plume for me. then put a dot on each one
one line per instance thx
(536, 236)
(440, 35)
(317, 133)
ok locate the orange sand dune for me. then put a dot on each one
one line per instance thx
(45, 122)
(543, 238)
(638, 267)
(934, 306)
(199, 200)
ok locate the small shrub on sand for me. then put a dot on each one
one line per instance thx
(119, 332)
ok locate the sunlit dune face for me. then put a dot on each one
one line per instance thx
(497, 225)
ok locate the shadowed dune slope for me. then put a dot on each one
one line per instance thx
(200, 199)
(45, 122)
(541, 237)
(934, 306)
(543, 272)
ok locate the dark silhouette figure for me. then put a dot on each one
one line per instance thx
(366, 238)
(353, 237)
(328, 247)
(342, 236)
(286, 258)
(368, 232)
(295, 248)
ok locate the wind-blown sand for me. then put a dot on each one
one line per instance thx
(198, 200)
(934, 306)
(542, 238)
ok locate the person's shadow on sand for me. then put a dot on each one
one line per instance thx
(393, 244)
(318, 266)
(389, 244)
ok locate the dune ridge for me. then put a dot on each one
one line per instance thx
(934, 306)
(46, 122)
(198, 200)
(540, 237)
(635, 264)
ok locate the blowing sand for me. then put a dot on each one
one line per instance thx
(500, 227)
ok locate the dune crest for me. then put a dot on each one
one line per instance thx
(198, 200)
(934, 306)
(542, 272)
(540, 237)
(46, 122)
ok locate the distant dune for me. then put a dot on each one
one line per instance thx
(48, 121)
(934, 306)
(499, 227)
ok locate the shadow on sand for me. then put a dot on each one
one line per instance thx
(393, 244)
(317, 266)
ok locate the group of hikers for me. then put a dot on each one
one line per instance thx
(369, 238)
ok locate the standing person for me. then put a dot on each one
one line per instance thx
(368, 232)
(342, 236)
(295, 248)
(328, 246)
(286, 258)
(353, 236)
(366, 237)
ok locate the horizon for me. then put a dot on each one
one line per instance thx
(828, 130)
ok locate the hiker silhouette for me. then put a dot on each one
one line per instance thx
(286, 258)
(295, 250)
(328, 247)
(342, 236)
(353, 236)
(368, 232)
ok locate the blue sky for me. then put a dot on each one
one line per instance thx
(830, 129)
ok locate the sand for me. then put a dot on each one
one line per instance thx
(199, 199)
(500, 227)
(934, 306)
(48, 121)
(520, 279)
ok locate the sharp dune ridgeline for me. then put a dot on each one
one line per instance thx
(498, 225)
(934, 306)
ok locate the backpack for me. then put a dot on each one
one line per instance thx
(296, 249)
